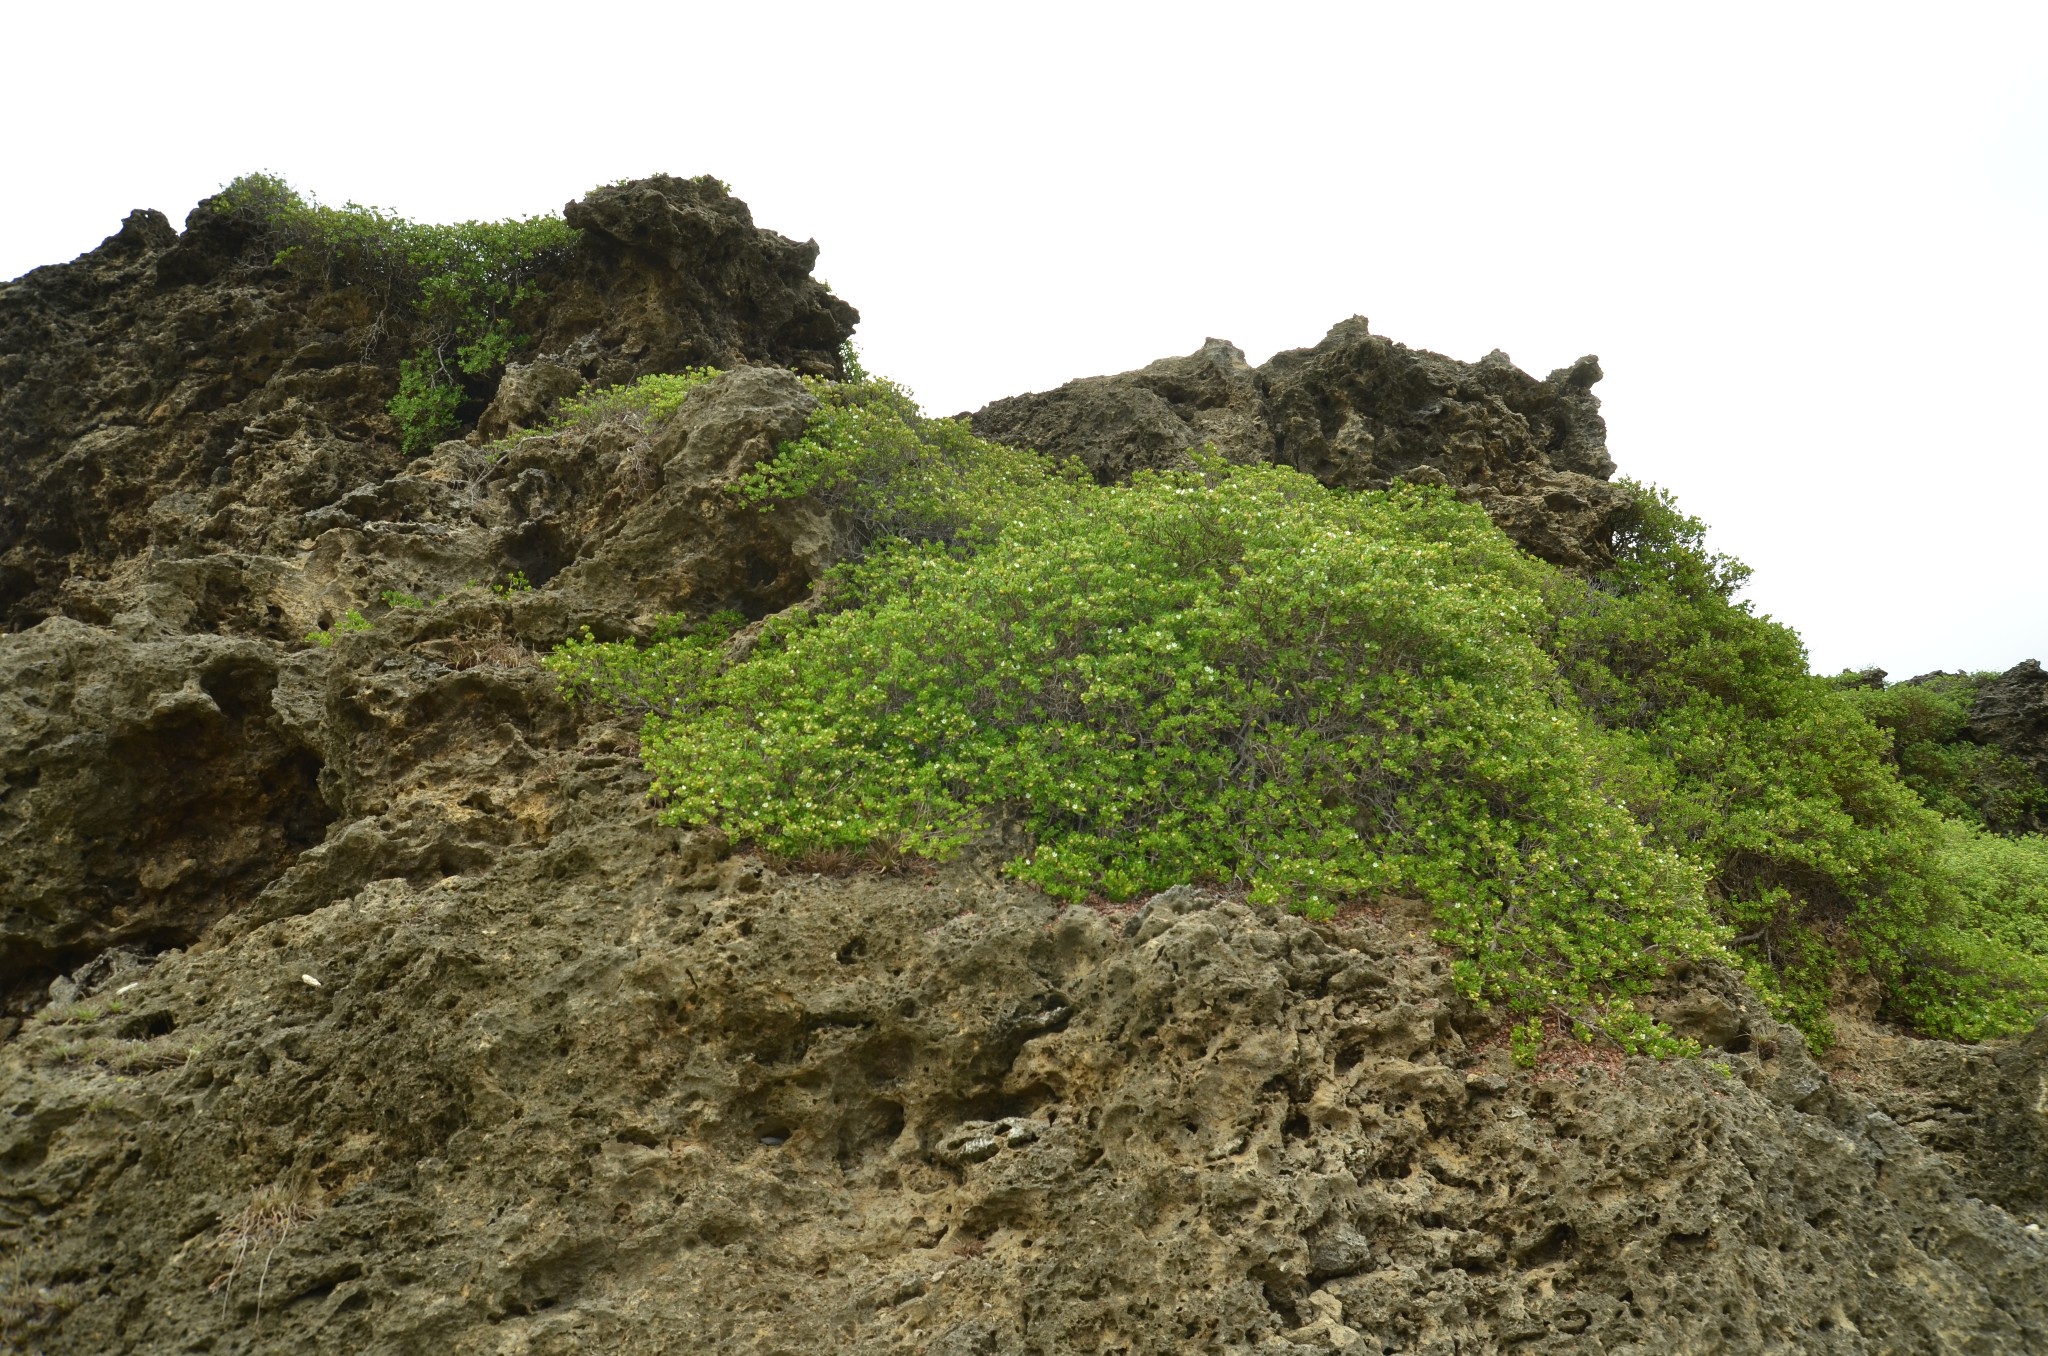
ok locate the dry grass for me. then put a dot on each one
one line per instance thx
(26, 1309)
(264, 1223)
(1562, 1055)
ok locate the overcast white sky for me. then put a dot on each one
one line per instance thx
(1805, 240)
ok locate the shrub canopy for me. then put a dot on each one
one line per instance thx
(1235, 675)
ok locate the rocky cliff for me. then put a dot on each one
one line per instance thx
(355, 998)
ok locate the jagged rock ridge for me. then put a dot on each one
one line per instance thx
(1359, 412)
(180, 395)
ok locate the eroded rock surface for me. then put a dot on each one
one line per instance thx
(357, 1000)
(622, 1090)
(196, 758)
(182, 395)
(1360, 412)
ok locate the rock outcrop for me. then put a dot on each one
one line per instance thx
(2011, 713)
(1360, 412)
(356, 999)
(174, 395)
(188, 759)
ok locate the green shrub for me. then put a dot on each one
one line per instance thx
(658, 679)
(653, 399)
(466, 284)
(899, 475)
(351, 620)
(1237, 676)
(1983, 968)
(1233, 676)
(1769, 779)
(1928, 719)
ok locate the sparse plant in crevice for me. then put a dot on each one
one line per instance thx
(261, 1228)
(349, 621)
(645, 403)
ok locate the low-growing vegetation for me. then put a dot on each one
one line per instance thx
(1235, 675)
(1928, 719)
(463, 285)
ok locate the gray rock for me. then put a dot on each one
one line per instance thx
(179, 395)
(2011, 713)
(361, 1002)
(1356, 411)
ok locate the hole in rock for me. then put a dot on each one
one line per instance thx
(188, 812)
(538, 551)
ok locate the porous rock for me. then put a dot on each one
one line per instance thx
(359, 999)
(1359, 412)
(183, 395)
(621, 1089)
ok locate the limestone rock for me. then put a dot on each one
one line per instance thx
(1143, 420)
(181, 395)
(149, 789)
(357, 999)
(1360, 412)
(617, 1089)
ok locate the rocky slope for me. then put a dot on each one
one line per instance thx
(357, 1000)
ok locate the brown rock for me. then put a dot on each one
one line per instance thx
(616, 1089)
(362, 1003)
(181, 395)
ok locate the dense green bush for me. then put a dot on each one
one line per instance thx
(1776, 785)
(1231, 675)
(661, 678)
(1928, 719)
(465, 284)
(1235, 675)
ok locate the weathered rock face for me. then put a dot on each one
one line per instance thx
(356, 999)
(184, 763)
(151, 787)
(2011, 713)
(618, 1090)
(180, 395)
(1360, 412)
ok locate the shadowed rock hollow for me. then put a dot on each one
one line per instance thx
(358, 1001)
